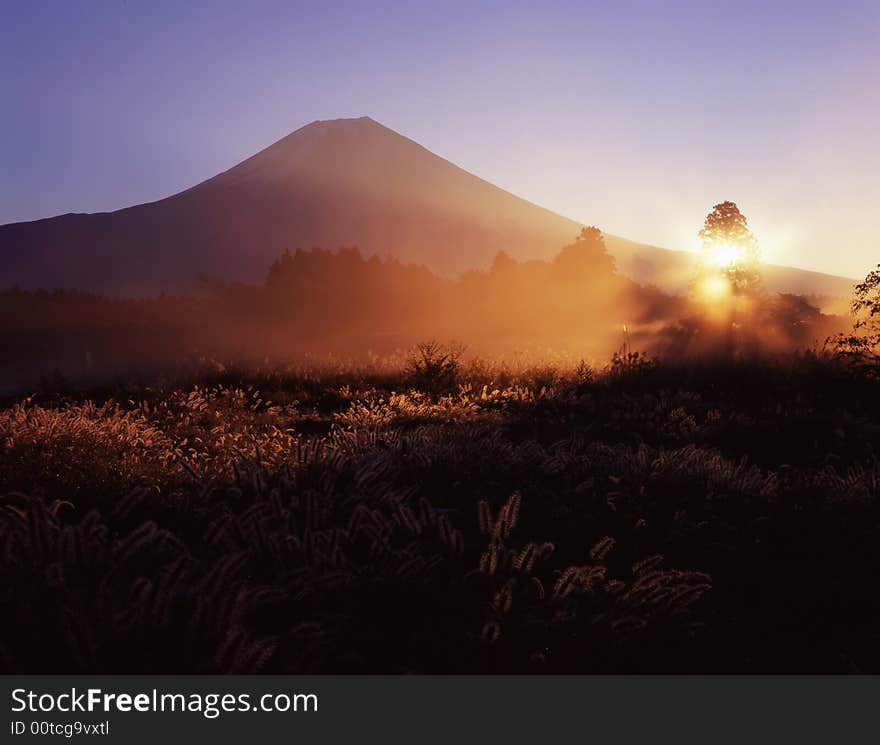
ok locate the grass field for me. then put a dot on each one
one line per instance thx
(638, 517)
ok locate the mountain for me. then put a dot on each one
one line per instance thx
(343, 182)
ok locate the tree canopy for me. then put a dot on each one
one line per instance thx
(730, 249)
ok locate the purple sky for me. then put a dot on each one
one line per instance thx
(634, 116)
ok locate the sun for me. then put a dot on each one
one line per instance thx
(726, 254)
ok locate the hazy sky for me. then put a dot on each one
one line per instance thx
(636, 117)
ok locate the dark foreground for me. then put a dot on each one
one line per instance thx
(719, 518)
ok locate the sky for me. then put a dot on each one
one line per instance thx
(633, 116)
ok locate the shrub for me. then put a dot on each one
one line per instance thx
(433, 367)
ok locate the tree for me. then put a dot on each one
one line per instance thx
(863, 342)
(730, 250)
(586, 257)
(503, 264)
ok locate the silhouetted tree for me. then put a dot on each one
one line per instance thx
(503, 264)
(586, 256)
(729, 248)
(863, 342)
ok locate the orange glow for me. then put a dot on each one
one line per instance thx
(713, 288)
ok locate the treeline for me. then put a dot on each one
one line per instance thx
(575, 301)
(321, 302)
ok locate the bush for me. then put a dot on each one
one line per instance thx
(433, 367)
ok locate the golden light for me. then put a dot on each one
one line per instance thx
(716, 294)
(713, 288)
(726, 255)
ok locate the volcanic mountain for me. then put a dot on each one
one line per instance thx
(343, 182)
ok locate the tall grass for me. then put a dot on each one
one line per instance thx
(546, 518)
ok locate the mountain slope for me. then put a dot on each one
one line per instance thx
(671, 270)
(331, 183)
